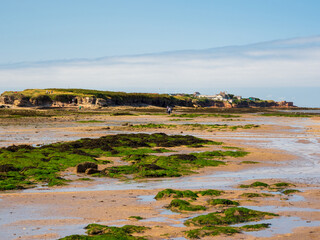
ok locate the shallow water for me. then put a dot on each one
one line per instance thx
(279, 225)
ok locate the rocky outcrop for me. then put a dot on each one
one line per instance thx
(83, 167)
(42, 100)
(97, 100)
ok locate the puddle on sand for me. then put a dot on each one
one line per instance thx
(146, 198)
(280, 225)
(31, 232)
(281, 209)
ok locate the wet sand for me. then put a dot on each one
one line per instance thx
(283, 148)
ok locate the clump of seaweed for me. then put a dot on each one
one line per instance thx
(254, 195)
(186, 193)
(177, 205)
(223, 202)
(255, 184)
(176, 194)
(229, 216)
(97, 231)
(290, 191)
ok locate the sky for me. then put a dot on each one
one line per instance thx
(266, 47)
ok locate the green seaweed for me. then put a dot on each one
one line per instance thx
(222, 201)
(255, 184)
(210, 192)
(177, 205)
(212, 231)
(290, 191)
(229, 216)
(255, 227)
(176, 194)
(102, 232)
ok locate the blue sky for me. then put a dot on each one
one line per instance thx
(265, 48)
(36, 30)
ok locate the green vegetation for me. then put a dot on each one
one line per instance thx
(229, 216)
(290, 191)
(24, 166)
(176, 194)
(255, 227)
(194, 115)
(253, 195)
(180, 120)
(255, 184)
(85, 179)
(223, 230)
(211, 231)
(177, 205)
(101, 232)
(153, 125)
(283, 114)
(282, 185)
(210, 192)
(196, 126)
(186, 193)
(136, 217)
(249, 162)
(222, 201)
(122, 114)
(90, 121)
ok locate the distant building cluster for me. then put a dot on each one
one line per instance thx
(222, 96)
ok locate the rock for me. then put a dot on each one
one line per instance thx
(82, 167)
(90, 171)
(42, 100)
(101, 102)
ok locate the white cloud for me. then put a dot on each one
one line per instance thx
(293, 63)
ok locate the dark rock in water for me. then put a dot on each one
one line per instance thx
(90, 171)
(8, 168)
(82, 167)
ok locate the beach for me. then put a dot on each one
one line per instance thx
(281, 149)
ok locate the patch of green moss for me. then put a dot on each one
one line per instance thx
(255, 184)
(153, 125)
(177, 205)
(210, 192)
(282, 185)
(136, 217)
(253, 195)
(176, 194)
(255, 227)
(90, 121)
(283, 114)
(122, 114)
(290, 191)
(102, 232)
(211, 231)
(249, 162)
(222, 201)
(229, 216)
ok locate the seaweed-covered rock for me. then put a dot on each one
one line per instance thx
(82, 167)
